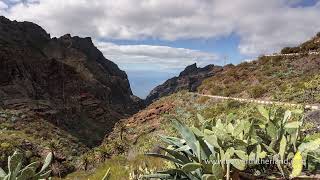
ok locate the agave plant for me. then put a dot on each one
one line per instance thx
(16, 172)
(230, 148)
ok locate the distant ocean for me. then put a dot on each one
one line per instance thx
(142, 82)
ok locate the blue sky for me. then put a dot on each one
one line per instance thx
(305, 3)
(143, 81)
(153, 40)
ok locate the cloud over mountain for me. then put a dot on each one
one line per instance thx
(263, 26)
(159, 58)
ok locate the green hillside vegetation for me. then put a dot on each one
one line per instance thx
(187, 108)
(197, 129)
(282, 78)
(32, 135)
(312, 45)
(233, 148)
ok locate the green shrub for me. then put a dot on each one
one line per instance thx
(257, 91)
(16, 172)
(289, 50)
(121, 168)
(222, 149)
(310, 46)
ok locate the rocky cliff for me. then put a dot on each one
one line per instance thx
(189, 79)
(64, 81)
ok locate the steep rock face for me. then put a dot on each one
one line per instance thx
(69, 74)
(189, 79)
(64, 81)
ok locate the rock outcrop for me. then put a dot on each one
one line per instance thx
(64, 81)
(189, 79)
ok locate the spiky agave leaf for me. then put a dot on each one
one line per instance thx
(177, 155)
(47, 162)
(172, 140)
(191, 167)
(172, 159)
(186, 134)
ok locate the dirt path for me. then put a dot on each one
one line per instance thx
(312, 107)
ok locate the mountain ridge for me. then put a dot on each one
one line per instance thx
(64, 87)
(233, 91)
(189, 79)
(62, 95)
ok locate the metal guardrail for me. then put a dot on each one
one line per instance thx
(312, 107)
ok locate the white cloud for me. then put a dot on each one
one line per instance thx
(13, 1)
(21, 1)
(3, 5)
(280, 26)
(263, 26)
(157, 58)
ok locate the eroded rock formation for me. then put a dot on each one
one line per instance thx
(189, 79)
(66, 82)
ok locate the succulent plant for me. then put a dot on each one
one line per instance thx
(16, 172)
(229, 148)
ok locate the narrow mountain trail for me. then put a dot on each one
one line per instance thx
(293, 54)
(285, 55)
(306, 106)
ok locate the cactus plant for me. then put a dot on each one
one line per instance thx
(16, 172)
(222, 149)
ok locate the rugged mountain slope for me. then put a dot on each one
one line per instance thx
(189, 79)
(63, 86)
(294, 77)
(308, 46)
(291, 78)
(139, 133)
(245, 80)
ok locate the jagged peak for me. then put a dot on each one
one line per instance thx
(22, 33)
(193, 69)
(4, 19)
(189, 69)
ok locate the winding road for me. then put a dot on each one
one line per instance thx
(306, 106)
